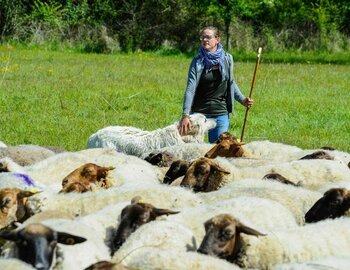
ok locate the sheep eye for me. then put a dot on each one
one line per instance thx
(5, 202)
(226, 234)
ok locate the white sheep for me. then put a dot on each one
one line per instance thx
(336, 262)
(310, 242)
(312, 174)
(14, 264)
(85, 203)
(26, 154)
(263, 213)
(138, 142)
(297, 199)
(186, 151)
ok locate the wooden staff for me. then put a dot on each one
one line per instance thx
(251, 91)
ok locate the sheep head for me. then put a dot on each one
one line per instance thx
(222, 237)
(36, 243)
(334, 203)
(87, 174)
(12, 205)
(177, 168)
(135, 215)
(204, 175)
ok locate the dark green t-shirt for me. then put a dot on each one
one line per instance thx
(210, 97)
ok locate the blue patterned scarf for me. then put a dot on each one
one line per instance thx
(211, 59)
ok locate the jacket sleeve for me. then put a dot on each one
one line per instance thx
(191, 87)
(235, 91)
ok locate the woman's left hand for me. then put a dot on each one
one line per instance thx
(247, 102)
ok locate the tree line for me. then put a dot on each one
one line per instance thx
(173, 25)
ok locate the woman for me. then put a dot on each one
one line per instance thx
(211, 88)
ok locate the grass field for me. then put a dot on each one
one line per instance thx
(61, 98)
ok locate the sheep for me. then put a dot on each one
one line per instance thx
(279, 178)
(187, 151)
(35, 243)
(335, 262)
(318, 155)
(13, 205)
(173, 259)
(86, 175)
(107, 265)
(177, 169)
(161, 159)
(134, 141)
(297, 199)
(204, 175)
(14, 264)
(25, 154)
(222, 237)
(312, 174)
(334, 203)
(133, 216)
(82, 204)
(298, 244)
(263, 213)
(227, 146)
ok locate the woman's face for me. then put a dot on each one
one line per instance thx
(209, 41)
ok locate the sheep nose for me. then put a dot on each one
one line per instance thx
(41, 266)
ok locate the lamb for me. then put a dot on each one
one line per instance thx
(13, 205)
(35, 243)
(134, 141)
(161, 159)
(334, 203)
(133, 216)
(314, 241)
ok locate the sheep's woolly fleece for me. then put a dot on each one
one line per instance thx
(138, 142)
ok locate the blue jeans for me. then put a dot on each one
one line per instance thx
(222, 125)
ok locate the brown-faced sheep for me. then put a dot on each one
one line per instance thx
(80, 179)
(204, 175)
(12, 205)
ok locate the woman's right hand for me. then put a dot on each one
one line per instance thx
(184, 125)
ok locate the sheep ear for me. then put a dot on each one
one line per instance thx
(217, 168)
(247, 230)
(160, 212)
(26, 193)
(108, 168)
(69, 239)
(136, 199)
(9, 235)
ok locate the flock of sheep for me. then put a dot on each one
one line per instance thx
(139, 199)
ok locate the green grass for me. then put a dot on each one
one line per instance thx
(61, 98)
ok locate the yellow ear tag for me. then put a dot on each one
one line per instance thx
(70, 241)
(34, 190)
(238, 140)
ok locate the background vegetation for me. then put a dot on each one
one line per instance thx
(172, 25)
(61, 98)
